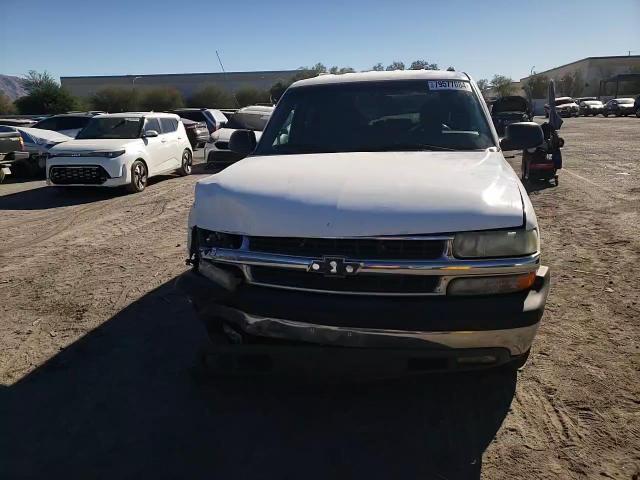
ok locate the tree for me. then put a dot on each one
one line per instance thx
(502, 85)
(571, 84)
(161, 99)
(483, 84)
(378, 67)
(115, 100)
(251, 96)
(423, 65)
(45, 96)
(340, 70)
(451, 69)
(211, 96)
(277, 89)
(319, 68)
(6, 105)
(536, 86)
(396, 65)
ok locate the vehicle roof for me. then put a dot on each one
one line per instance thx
(256, 109)
(564, 98)
(382, 76)
(138, 114)
(624, 98)
(73, 114)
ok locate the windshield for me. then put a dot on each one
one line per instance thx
(111, 127)
(377, 116)
(248, 121)
(563, 101)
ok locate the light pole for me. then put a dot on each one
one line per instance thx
(531, 71)
(134, 82)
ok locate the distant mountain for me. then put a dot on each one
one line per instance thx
(12, 86)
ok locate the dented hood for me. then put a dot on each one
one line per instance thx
(360, 194)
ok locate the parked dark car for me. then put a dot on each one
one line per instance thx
(68, 123)
(197, 132)
(508, 110)
(214, 119)
(619, 107)
(591, 107)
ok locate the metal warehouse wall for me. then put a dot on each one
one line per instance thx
(186, 83)
(594, 69)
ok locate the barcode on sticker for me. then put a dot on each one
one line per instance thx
(449, 85)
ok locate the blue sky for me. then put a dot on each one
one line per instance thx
(92, 37)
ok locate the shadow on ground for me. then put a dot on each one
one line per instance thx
(125, 402)
(45, 197)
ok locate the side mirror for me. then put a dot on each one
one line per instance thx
(150, 133)
(243, 142)
(522, 135)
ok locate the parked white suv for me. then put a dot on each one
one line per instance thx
(121, 149)
(398, 228)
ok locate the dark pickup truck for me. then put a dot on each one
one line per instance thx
(11, 151)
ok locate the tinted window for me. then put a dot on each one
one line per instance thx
(47, 124)
(112, 127)
(192, 115)
(152, 124)
(249, 121)
(69, 123)
(168, 125)
(380, 116)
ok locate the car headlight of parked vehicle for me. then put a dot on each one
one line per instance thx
(210, 239)
(493, 244)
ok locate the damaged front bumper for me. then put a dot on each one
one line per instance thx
(453, 326)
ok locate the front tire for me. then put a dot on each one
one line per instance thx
(187, 163)
(139, 177)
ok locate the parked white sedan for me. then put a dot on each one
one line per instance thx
(122, 149)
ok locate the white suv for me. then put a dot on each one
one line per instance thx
(398, 228)
(121, 149)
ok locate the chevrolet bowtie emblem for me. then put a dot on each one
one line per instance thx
(336, 267)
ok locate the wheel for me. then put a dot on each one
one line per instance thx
(556, 179)
(187, 162)
(605, 115)
(139, 177)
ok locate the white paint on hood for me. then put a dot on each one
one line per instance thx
(360, 194)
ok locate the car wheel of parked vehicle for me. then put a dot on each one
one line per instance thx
(139, 177)
(187, 162)
(638, 113)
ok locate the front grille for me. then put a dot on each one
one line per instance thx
(361, 283)
(87, 175)
(356, 248)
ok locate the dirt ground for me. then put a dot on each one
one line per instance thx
(97, 351)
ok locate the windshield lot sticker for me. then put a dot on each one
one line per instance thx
(449, 85)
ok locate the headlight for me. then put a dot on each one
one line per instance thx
(491, 244)
(209, 239)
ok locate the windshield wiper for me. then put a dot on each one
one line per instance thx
(409, 147)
